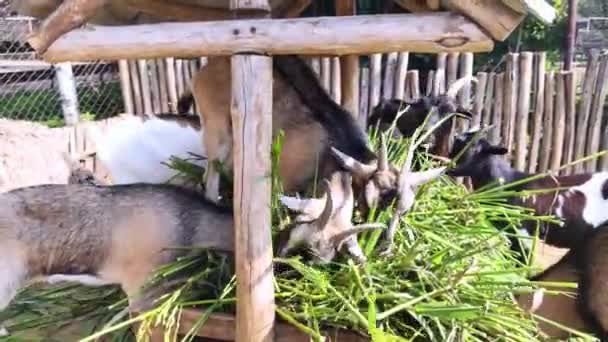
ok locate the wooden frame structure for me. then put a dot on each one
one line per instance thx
(249, 42)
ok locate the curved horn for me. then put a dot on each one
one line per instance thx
(329, 207)
(340, 237)
(458, 84)
(352, 164)
(383, 155)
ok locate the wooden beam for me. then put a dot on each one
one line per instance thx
(538, 8)
(426, 33)
(349, 65)
(251, 112)
(290, 8)
(415, 6)
(188, 12)
(497, 18)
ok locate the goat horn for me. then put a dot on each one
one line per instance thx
(299, 204)
(329, 207)
(340, 237)
(383, 156)
(419, 178)
(458, 84)
(353, 165)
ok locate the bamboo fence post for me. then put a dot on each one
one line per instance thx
(66, 85)
(570, 92)
(171, 84)
(315, 64)
(154, 87)
(510, 99)
(142, 67)
(336, 82)
(496, 133)
(486, 118)
(414, 83)
(480, 92)
(442, 58)
(452, 68)
(546, 146)
(539, 107)
(375, 80)
(125, 86)
(604, 159)
(364, 98)
(466, 69)
(559, 123)
(430, 83)
(401, 75)
(162, 83)
(597, 109)
(389, 75)
(350, 75)
(523, 109)
(179, 76)
(326, 73)
(585, 108)
(135, 85)
(251, 113)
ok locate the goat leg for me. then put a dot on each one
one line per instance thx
(353, 248)
(69, 15)
(387, 246)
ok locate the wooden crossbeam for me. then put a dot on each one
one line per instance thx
(425, 33)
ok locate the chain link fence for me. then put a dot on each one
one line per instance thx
(28, 89)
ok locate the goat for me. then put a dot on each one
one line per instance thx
(415, 113)
(580, 200)
(310, 119)
(333, 228)
(135, 149)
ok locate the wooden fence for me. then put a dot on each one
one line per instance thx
(546, 118)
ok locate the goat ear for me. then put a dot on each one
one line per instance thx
(372, 194)
(353, 165)
(323, 219)
(419, 178)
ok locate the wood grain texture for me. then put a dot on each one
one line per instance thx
(523, 109)
(375, 80)
(486, 118)
(510, 99)
(584, 109)
(496, 135)
(390, 68)
(125, 86)
(336, 82)
(539, 107)
(498, 19)
(251, 111)
(171, 84)
(348, 35)
(364, 98)
(400, 75)
(559, 122)
(597, 110)
(144, 79)
(570, 92)
(547, 139)
(480, 92)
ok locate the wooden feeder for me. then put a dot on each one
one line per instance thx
(139, 29)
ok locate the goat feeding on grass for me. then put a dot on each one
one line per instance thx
(415, 113)
(580, 200)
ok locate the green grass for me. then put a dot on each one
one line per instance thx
(452, 276)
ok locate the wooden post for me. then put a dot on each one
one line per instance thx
(510, 99)
(452, 68)
(414, 84)
(375, 80)
(251, 112)
(171, 84)
(466, 69)
(145, 85)
(125, 86)
(570, 34)
(67, 92)
(389, 75)
(179, 76)
(349, 66)
(400, 75)
(442, 59)
(315, 64)
(326, 73)
(570, 92)
(539, 107)
(597, 110)
(559, 123)
(135, 85)
(364, 99)
(496, 132)
(489, 97)
(582, 126)
(480, 92)
(547, 140)
(431, 87)
(523, 109)
(162, 83)
(336, 82)
(154, 87)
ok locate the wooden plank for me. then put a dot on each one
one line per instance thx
(326, 73)
(135, 85)
(452, 68)
(364, 99)
(496, 136)
(400, 75)
(162, 85)
(125, 86)
(559, 123)
(570, 92)
(430, 84)
(597, 109)
(171, 84)
(251, 111)
(336, 82)
(179, 76)
(584, 109)
(480, 92)
(486, 118)
(193, 70)
(539, 107)
(497, 18)
(349, 35)
(414, 84)
(388, 83)
(466, 69)
(523, 109)
(510, 100)
(145, 85)
(66, 86)
(375, 80)
(548, 116)
(154, 87)
(442, 58)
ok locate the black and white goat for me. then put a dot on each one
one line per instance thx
(580, 201)
(415, 113)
